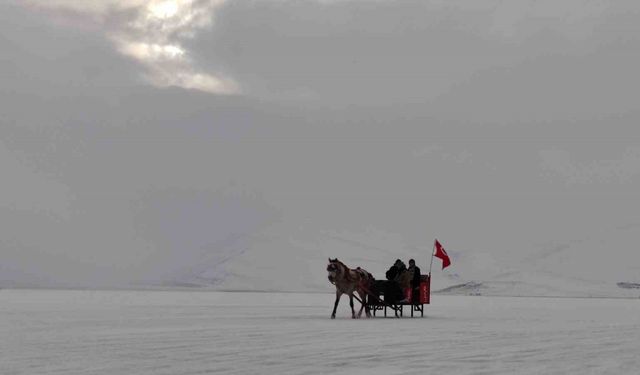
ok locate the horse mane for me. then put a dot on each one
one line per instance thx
(347, 273)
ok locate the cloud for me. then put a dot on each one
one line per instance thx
(412, 116)
(464, 62)
(435, 54)
(150, 32)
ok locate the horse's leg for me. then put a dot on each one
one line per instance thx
(335, 305)
(363, 298)
(353, 312)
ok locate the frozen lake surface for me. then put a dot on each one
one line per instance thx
(184, 332)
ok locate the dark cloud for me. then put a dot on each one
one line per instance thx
(442, 59)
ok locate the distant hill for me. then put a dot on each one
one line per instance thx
(284, 259)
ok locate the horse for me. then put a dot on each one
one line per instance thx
(348, 281)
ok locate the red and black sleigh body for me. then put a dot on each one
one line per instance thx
(414, 299)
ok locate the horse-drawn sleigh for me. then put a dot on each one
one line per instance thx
(374, 295)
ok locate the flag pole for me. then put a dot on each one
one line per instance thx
(430, 265)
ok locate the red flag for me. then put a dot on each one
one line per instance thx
(440, 253)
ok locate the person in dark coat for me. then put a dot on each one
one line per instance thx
(393, 292)
(415, 279)
(393, 271)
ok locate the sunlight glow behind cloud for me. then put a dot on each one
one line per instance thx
(153, 38)
(163, 10)
(152, 32)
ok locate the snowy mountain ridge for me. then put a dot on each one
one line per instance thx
(281, 259)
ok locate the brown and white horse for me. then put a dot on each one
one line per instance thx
(348, 281)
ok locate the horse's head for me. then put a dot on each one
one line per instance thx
(333, 268)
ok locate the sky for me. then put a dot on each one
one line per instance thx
(138, 135)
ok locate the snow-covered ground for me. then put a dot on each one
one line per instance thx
(188, 332)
